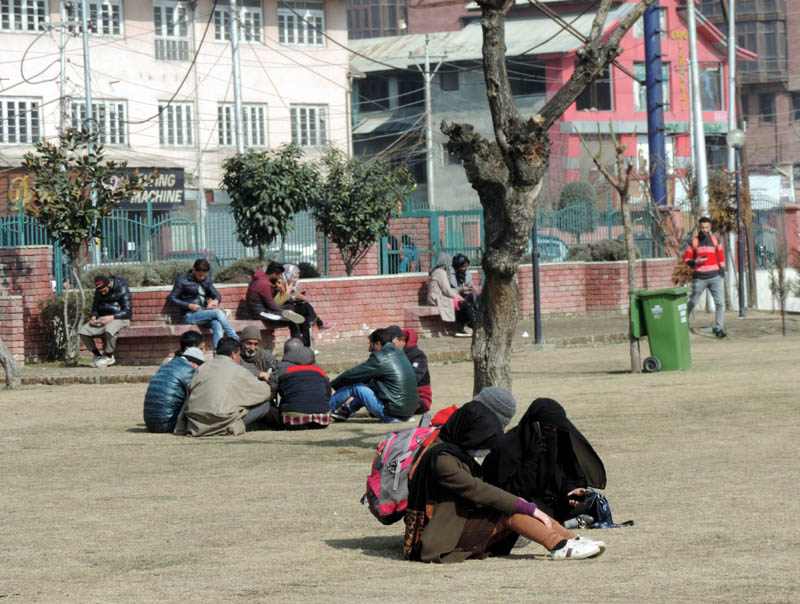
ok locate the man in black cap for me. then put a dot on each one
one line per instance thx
(111, 312)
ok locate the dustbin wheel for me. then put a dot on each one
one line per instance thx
(651, 365)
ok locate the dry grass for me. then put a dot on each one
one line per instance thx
(95, 509)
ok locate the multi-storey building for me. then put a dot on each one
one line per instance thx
(162, 86)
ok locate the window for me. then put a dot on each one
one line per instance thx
(746, 37)
(105, 17)
(109, 119)
(175, 124)
(745, 107)
(20, 120)
(301, 23)
(374, 18)
(250, 21)
(770, 54)
(309, 125)
(711, 8)
(373, 94)
(448, 159)
(640, 91)
(254, 125)
(711, 86)
(796, 106)
(597, 96)
(23, 15)
(766, 107)
(448, 80)
(526, 79)
(171, 21)
(638, 27)
(410, 89)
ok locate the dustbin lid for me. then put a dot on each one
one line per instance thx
(667, 291)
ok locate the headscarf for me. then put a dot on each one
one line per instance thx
(460, 273)
(443, 260)
(411, 337)
(473, 426)
(568, 460)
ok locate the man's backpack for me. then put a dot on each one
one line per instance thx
(387, 483)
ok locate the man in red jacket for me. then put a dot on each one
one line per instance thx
(261, 305)
(706, 257)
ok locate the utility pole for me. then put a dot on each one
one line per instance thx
(427, 76)
(655, 104)
(237, 78)
(733, 165)
(62, 103)
(87, 77)
(202, 209)
(701, 168)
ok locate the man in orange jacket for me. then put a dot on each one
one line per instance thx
(706, 257)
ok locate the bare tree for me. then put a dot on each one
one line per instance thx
(780, 282)
(507, 174)
(621, 181)
(9, 364)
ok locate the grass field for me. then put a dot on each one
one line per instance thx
(95, 509)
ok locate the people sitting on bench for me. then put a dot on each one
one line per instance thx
(447, 298)
(261, 304)
(111, 312)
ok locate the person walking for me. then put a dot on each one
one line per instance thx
(706, 257)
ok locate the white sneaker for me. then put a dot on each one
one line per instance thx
(101, 361)
(292, 316)
(576, 550)
(600, 544)
(111, 360)
(96, 360)
(463, 334)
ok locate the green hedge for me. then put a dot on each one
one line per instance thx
(52, 318)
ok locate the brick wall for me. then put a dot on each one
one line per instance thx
(12, 326)
(27, 272)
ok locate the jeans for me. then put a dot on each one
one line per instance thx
(363, 396)
(214, 318)
(716, 286)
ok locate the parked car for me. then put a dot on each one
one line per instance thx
(550, 248)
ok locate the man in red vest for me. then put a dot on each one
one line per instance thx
(706, 257)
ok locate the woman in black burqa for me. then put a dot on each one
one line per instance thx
(545, 459)
(454, 515)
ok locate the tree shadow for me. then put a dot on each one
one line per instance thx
(378, 547)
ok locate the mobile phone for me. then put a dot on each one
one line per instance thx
(576, 497)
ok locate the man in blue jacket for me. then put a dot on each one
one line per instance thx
(195, 294)
(168, 390)
(385, 384)
(111, 312)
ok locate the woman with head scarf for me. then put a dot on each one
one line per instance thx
(446, 297)
(290, 295)
(546, 459)
(419, 363)
(454, 515)
(461, 279)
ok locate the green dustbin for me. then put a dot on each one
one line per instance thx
(662, 315)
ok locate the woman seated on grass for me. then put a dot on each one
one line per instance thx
(453, 515)
(546, 460)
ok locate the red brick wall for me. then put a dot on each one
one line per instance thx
(27, 272)
(12, 326)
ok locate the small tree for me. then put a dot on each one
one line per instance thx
(74, 188)
(780, 281)
(356, 200)
(577, 208)
(621, 182)
(266, 189)
(9, 364)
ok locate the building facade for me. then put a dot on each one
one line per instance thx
(161, 84)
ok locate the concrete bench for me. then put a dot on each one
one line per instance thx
(426, 319)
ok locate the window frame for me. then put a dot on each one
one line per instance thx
(170, 47)
(795, 96)
(639, 89)
(706, 67)
(321, 137)
(34, 16)
(766, 117)
(167, 119)
(102, 110)
(592, 91)
(250, 12)
(312, 37)
(96, 16)
(33, 120)
(226, 126)
(449, 81)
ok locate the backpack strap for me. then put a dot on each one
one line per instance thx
(422, 450)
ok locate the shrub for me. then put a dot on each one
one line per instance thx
(608, 250)
(132, 273)
(308, 271)
(236, 272)
(52, 318)
(579, 253)
(165, 273)
(577, 192)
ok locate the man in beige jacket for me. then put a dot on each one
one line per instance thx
(224, 398)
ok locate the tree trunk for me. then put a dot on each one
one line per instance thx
(72, 342)
(494, 332)
(630, 247)
(10, 366)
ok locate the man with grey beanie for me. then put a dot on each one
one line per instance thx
(500, 401)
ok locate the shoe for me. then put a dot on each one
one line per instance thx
(111, 360)
(326, 325)
(294, 317)
(576, 549)
(463, 334)
(720, 334)
(600, 544)
(342, 413)
(102, 361)
(580, 521)
(96, 360)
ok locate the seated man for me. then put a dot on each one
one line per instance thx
(168, 390)
(385, 384)
(303, 387)
(419, 363)
(256, 358)
(224, 398)
(261, 305)
(194, 292)
(111, 312)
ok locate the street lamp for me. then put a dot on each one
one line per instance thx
(735, 139)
